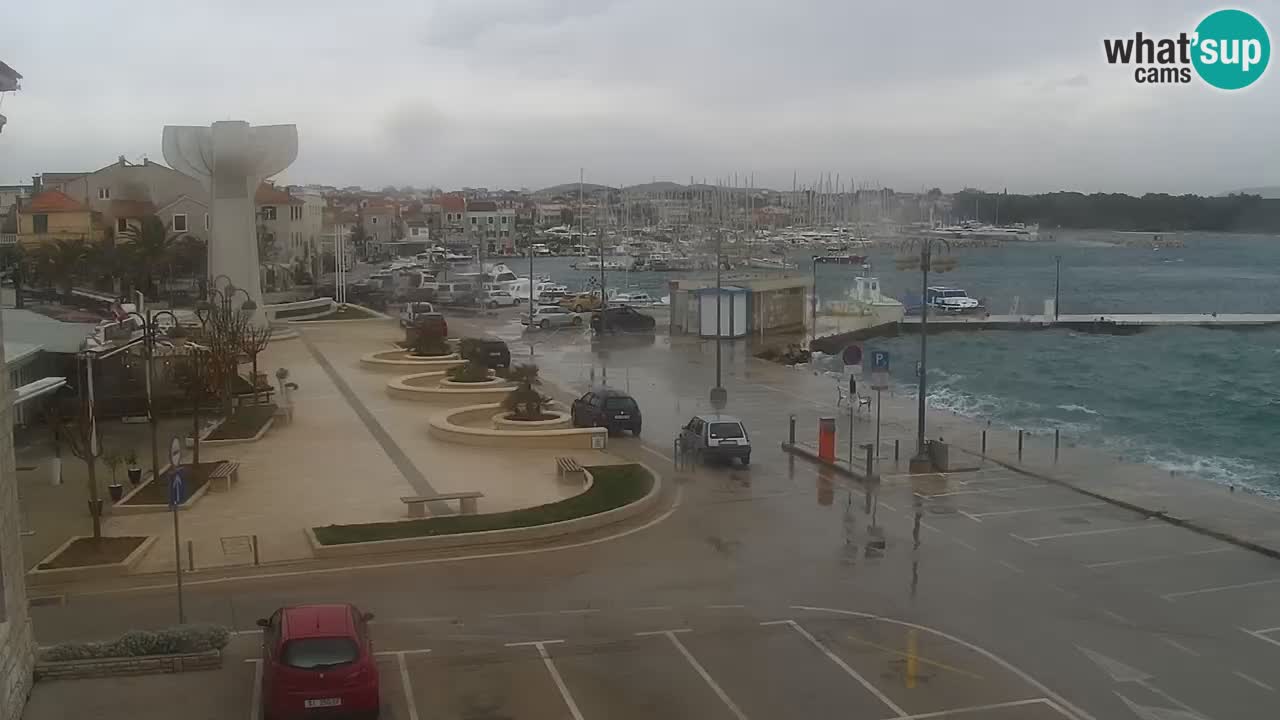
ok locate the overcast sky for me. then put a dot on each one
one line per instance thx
(511, 93)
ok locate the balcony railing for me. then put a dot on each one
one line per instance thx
(8, 239)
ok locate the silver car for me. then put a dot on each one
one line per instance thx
(414, 309)
(552, 316)
(721, 437)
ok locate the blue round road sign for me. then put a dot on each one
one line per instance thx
(852, 355)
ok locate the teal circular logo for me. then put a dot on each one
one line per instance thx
(1231, 49)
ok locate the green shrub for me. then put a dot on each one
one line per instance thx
(136, 643)
(471, 371)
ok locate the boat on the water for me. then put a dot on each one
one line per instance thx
(841, 259)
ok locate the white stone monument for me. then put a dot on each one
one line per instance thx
(231, 159)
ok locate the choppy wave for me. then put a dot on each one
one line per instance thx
(1078, 408)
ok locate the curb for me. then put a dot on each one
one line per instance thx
(807, 454)
(1191, 525)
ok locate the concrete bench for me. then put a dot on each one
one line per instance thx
(566, 466)
(467, 504)
(228, 472)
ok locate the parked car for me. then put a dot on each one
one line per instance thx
(718, 437)
(549, 316)
(500, 298)
(607, 408)
(552, 297)
(490, 352)
(317, 659)
(582, 302)
(622, 319)
(412, 310)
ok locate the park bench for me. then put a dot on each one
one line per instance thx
(566, 466)
(228, 472)
(466, 502)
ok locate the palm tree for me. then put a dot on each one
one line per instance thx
(151, 247)
(60, 262)
(525, 402)
(105, 264)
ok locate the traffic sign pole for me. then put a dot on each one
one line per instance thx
(879, 381)
(175, 499)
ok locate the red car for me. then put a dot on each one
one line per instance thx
(317, 661)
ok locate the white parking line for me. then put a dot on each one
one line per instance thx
(1254, 681)
(1157, 558)
(1263, 635)
(1081, 533)
(1221, 588)
(1177, 645)
(981, 708)
(983, 491)
(255, 707)
(1117, 617)
(978, 516)
(408, 687)
(1011, 566)
(555, 673)
(697, 666)
(841, 664)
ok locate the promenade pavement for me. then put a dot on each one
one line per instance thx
(1060, 604)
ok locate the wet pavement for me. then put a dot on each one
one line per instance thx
(780, 590)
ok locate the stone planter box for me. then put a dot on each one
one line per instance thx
(432, 387)
(562, 421)
(402, 361)
(490, 383)
(143, 665)
(494, 537)
(37, 576)
(459, 426)
(121, 508)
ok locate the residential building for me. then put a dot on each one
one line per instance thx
(549, 215)
(380, 222)
(486, 219)
(17, 640)
(454, 208)
(313, 206)
(120, 190)
(416, 226)
(280, 224)
(53, 215)
(11, 194)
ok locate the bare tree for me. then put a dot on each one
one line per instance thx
(225, 330)
(255, 340)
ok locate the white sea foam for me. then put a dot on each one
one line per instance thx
(1078, 408)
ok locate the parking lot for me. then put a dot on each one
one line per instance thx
(722, 662)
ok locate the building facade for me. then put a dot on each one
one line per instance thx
(121, 191)
(53, 215)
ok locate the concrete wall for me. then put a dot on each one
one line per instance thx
(17, 641)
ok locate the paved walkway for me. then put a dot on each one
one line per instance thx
(348, 456)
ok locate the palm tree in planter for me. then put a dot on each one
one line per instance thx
(525, 403)
(427, 338)
(469, 372)
(113, 460)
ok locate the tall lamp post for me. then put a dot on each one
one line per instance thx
(813, 305)
(150, 328)
(1057, 284)
(719, 396)
(926, 262)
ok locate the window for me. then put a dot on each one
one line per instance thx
(206, 221)
(40, 223)
(104, 193)
(474, 220)
(490, 219)
(180, 222)
(295, 212)
(268, 212)
(122, 224)
(504, 219)
(375, 219)
(319, 653)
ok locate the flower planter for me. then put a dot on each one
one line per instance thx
(556, 421)
(135, 475)
(490, 383)
(117, 492)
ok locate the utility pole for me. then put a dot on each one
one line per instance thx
(1057, 284)
(719, 396)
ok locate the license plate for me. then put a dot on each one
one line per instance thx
(322, 702)
(621, 417)
(728, 442)
(495, 354)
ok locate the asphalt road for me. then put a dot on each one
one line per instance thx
(770, 591)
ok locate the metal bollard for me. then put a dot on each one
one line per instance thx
(984, 442)
(1055, 445)
(191, 557)
(1019, 446)
(791, 434)
(869, 447)
(895, 449)
(255, 551)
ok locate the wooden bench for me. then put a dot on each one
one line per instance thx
(466, 502)
(566, 466)
(228, 472)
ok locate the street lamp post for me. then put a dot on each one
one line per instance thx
(813, 305)
(150, 327)
(926, 262)
(719, 396)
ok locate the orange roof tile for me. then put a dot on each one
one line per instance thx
(53, 201)
(268, 194)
